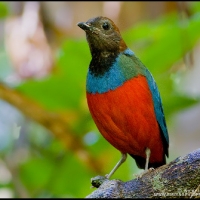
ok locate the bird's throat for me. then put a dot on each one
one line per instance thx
(101, 63)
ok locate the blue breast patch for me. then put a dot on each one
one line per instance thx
(111, 79)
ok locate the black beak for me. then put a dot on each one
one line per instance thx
(84, 26)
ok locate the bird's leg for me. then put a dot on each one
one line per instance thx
(98, 180)
(123, 158)
(148, 153)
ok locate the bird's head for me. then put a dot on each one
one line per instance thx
(103, 35)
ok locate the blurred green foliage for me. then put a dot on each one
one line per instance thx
(67, 83)
(4, 9)
(49, 169)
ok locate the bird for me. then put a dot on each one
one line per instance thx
(123, 97)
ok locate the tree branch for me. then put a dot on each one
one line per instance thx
(178, 179)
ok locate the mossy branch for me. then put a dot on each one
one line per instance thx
(178, 179)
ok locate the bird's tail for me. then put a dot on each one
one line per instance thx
(140, 161)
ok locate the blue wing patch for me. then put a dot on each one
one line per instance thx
(158, 106)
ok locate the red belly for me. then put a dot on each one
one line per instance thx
(126, 118)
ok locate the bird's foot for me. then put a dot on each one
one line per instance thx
(97, 181)
(107, 176)
(143, 173)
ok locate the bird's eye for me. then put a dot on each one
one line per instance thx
(105, 26)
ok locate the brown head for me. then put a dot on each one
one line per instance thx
(103, 35)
